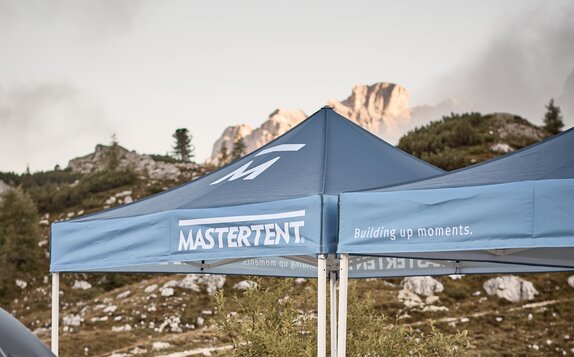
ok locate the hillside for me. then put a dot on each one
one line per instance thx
(147, 315)
(459, 140)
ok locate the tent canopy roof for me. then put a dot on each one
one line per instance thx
(325, 154)
(278, 205)
(517, 209)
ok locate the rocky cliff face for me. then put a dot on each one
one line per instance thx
(276, 124)
(141, 164)
(381, 108)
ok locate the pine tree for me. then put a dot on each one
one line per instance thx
(183, 149)
(19, 237)
(223, 157)
(238, 148)
(113, 155)
(553, 119)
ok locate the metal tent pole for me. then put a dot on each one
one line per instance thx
(343, 288)
(321, 306)
(333, 318)
(55, 311)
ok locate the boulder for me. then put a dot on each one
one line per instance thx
(511, 288)
(81, 285)
(422, 285)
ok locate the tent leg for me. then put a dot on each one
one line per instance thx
(343, 288)
(333, 296)
(55, 311)
(321, 306)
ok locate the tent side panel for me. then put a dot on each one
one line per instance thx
(507, 216)
(554, 210)
(380, 267)
(273, 229)
(81, 246)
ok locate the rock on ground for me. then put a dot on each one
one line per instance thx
(160, 345)
(245, 285)
(422, 285)
(571, 281)
(409, 299)
(81, 285)
(198, 282)
(511, 288)
(72, 320)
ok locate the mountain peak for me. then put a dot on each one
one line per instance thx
(382, 108)
(277, 123)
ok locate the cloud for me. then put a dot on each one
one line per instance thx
(83, 19)
(107, 17)
(42, 124)
(525, 64)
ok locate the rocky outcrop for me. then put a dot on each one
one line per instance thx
(511, 288)
(278, 122)
(230, 134)
(510, 126)
(381, 108)
(141, 164)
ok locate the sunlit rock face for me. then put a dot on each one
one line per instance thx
(381, 108)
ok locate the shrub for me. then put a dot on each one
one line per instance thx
(270, 323)
(57, 196)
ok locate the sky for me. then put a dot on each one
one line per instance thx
(73, 73)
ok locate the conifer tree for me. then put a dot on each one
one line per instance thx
(553, 119)
(113, 155)
(223, 158)
(19, 237)
(238, 149)
(183, 149)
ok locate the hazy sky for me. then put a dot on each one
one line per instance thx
(74, 72)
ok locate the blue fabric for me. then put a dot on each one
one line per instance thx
(303, 170)
(531, 214)
(516, 209)
(365, 266)
(259, 230)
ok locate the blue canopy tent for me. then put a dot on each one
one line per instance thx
(511, 214)
(273, 212)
